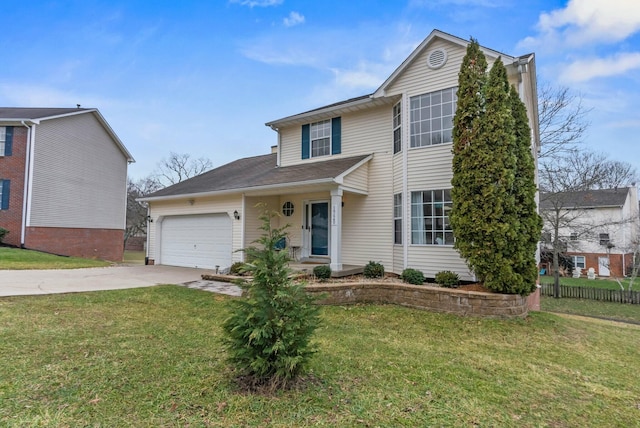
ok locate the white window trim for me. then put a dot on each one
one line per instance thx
(396, 125)
(311, 139)
(411, 113)
(3, 139)
(433, 216)
(584, 261)
(397, 215)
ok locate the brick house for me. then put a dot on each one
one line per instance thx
(63, 174)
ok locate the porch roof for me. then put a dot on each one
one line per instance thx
(259, 173)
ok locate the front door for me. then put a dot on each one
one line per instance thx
(603, 266)
(317, 225)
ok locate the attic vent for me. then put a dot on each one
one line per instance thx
(437, 58)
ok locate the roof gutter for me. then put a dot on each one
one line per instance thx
(28, 178)
(237, 190)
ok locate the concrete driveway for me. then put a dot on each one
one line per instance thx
(31, 282)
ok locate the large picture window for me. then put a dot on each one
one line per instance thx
(397, 218)
(321, 138)
(397, 128)
(432, 117)
(430, 217)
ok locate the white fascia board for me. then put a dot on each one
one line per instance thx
(20, 121)
(238, 190)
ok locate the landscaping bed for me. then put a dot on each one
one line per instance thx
(466, 300)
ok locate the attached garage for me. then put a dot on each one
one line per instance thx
(200, 241)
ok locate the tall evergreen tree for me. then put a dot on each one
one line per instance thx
(524, 191)
(493, 216)
(468, 154)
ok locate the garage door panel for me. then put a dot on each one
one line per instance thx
(202, 241)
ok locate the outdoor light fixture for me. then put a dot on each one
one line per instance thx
(149, 219)
(236, 215)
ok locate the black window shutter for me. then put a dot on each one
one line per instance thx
(306, 141)
(336, 131)
(5, 194)
(8, 142)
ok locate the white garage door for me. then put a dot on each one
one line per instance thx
(202, 241)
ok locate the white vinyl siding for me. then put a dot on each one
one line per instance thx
(79, 175)
(358, 179)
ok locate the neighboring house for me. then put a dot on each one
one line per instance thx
(598, 228)
(63, 174)
(366, 179)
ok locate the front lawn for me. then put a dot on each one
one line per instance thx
(15, 258)
(592, 308)
(151, 357)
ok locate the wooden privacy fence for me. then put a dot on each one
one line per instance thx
(616, 296)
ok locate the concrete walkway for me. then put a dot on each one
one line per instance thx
(33, 282)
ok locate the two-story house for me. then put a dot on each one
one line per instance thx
(363, 179)
(596, 228)
(63, 178)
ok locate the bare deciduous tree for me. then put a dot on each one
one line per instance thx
(179, 167)
(136, 210)
(562, 120)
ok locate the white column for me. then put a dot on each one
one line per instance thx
(335, 251)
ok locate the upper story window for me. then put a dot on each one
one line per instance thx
(321, 138)
(432, 117)
(604, 238)
(6, 140)
(573, 236)
(397, 128)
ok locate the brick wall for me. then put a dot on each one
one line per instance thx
(615, 262)
(13, 168)
(106, 244)
(436, 299)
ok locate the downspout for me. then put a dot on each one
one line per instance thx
(406, 199)
(28, 179)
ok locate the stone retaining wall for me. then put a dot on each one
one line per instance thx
(438, 299)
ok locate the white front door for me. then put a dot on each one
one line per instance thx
(603, 266)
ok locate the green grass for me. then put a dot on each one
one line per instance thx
(134, 257)
(151, 357)
(15, 258)
(607, 284)
(592, 308)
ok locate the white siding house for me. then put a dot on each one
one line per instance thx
(366, 179)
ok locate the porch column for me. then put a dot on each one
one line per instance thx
(336, 230)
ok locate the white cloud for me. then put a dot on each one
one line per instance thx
(587, 69)
(259, 3)
(583, 22)
(294, 18)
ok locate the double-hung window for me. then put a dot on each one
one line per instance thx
(430, 217)
(579, 262)
(397, 218)
(431, 117)
(6, 140)
(604, 238)
(321, 138)
(397, 128)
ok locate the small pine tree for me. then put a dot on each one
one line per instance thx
(268, 332)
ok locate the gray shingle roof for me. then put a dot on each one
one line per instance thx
(258, 171)
(585, 198)
(35, 112)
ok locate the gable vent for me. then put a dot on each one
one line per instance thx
(437, 58)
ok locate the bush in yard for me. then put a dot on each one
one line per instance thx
(268, 332)
(448, 279)
(322, 272)
(373, 270)
(3, 233)
(238, 268)
(412, 276)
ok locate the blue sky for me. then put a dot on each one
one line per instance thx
(202, 77)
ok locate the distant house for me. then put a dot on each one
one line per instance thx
(63, 174)
(598, 228)
(365, 179)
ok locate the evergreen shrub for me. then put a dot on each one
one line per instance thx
(448, 279)
(373, 270)
(322, 272)
(412, 276)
